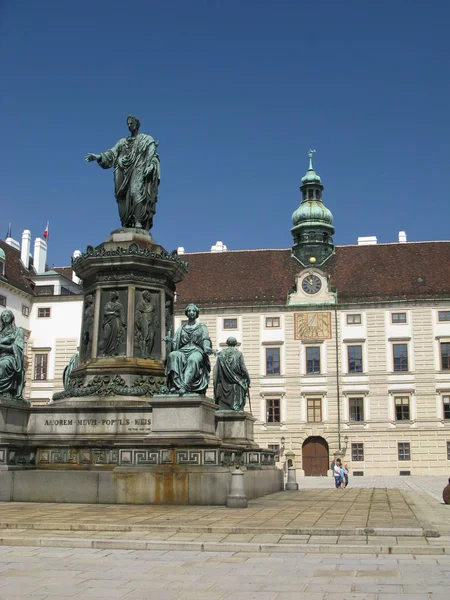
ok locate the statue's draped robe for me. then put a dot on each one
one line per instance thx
(88, 327)
(135, 193)
(231, 380)
(146, 324)
(188, 366)
(113, 327)
(12, 371)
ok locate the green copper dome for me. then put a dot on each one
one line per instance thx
(312, 211)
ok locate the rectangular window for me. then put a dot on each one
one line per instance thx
(448, 450)
(354, 319)
(273, 361)
(2, 268)
(272, 321)
(314, 406)
(446, 406)
(44, 290)
(44, 313)
(230, 323)
(312, 360)
(445, 356)
(398, 317)
(2, 300)
(40, 366)
(356, 409)
(273, 410)
(402, 409)
(357, 452)
(354, 359)
(444, 315)
(400, 357)
(66, 292)
(276, 449)
(404, 451)
(25, 310)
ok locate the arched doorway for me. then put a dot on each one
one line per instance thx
(315, 457)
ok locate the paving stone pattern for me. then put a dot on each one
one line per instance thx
(56, 574)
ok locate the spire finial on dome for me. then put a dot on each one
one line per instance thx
(310, 154)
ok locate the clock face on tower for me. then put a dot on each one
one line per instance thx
(311, 284)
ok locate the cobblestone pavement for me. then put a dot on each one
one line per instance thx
(56, 574)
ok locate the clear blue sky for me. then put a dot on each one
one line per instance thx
(237, 91)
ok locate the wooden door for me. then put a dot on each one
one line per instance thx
(315, 457)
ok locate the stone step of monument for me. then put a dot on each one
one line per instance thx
(225, 530)
(286, 544)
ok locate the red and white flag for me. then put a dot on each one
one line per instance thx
(45, 234)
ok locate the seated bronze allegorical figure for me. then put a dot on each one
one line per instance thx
(188, 367)
(12, 368)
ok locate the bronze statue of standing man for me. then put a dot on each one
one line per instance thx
(137, 175)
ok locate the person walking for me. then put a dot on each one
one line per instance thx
(337, 473)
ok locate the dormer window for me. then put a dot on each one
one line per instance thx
(2, 261)
(2, 267)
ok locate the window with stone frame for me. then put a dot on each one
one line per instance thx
(272, 322)
(230, 323)
(276, 449)
(404, 451)
(400, 352)
(445, 356)
(354, 319)
(357, 452)
(448, 450)
(398, 317)
(25, 310)
(312, 360)
(2, 300)
(314, 410)
(402, 412)
(273, 361)
(40, 366)
(443, 315)
(273, 414)
(44, 290)
(354, 354)
(44, 312)
(356, 409)
(446, 407)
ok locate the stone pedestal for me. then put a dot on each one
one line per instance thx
(178, 419)
(129, 284)
(236, 428)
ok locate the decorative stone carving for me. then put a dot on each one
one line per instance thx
(107, 385)
(113, 326)
(88, 328)
(12, 368)
(146, 323)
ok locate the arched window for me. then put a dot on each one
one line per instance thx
(310, 194)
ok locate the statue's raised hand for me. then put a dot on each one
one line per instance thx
(91, 157)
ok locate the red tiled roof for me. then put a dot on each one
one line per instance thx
(378, 272)
(15, 273)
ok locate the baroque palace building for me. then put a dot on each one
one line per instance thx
(348, 347)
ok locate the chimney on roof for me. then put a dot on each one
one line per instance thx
(180, 250)
(368, 240)
(40, 255)
(75, 279)
(26, 247)
(219, 247)
(402, 237)
(13, 243)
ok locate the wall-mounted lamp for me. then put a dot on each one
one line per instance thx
(283, 441)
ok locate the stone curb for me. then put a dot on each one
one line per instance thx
(223, 547)
(363, 531)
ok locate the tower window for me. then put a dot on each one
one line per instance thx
(318, 194)
(310, 194)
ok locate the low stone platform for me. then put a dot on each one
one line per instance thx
(364, 521)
